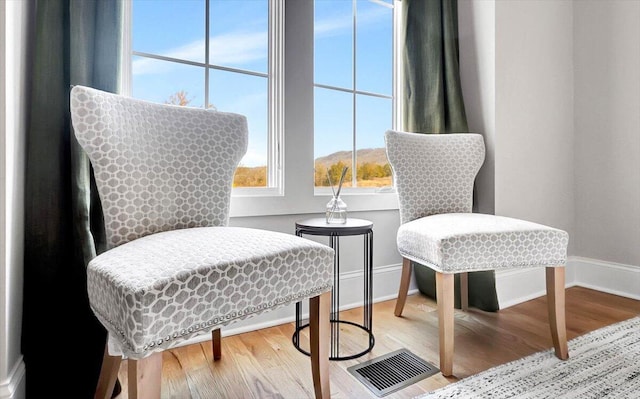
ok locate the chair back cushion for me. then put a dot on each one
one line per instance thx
(157, 167)
(434, 173)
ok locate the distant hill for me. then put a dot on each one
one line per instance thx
(377, 156)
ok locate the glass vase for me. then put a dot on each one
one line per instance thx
(336, 211)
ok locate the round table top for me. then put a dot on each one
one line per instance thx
(321, 227)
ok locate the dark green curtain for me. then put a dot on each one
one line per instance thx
(75, 42)
(433, 103)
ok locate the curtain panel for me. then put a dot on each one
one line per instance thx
(433, 103)
(75, 42)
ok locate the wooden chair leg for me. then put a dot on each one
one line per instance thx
(557, 321)
(145, 377)
(445, 298)
(320, 341)
(405, 279)
(216, 341)
(108, 375)
(464, 291)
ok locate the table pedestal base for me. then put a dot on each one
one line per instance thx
(335, 339)
(352, 227)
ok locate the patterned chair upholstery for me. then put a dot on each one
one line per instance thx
(174, 269)
(434, 175)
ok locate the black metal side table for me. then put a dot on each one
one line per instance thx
(319, 227)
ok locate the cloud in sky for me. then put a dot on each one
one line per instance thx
(228, 49)
(336, 25)
(238, 48)
(333, 26)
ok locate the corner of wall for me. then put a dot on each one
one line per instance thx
(606, 68)
(476, 30)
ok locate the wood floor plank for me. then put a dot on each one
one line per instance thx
(245, 378)
(264, 363)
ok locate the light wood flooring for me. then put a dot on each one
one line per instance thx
(264, 364)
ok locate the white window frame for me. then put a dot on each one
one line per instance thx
(291, 139)
(354, 92)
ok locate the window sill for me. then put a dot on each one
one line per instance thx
(246, 206)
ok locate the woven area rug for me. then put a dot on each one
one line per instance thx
(602, 364)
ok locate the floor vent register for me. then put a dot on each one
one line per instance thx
(392, 372)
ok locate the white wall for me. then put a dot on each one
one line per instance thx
(566, 104)
(534, 112)
(559, 84)
(607, 130)
(13, 92)
(476, 28)
(516, 62)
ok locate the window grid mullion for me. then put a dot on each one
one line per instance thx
(207, 21)
(275, 108)
(355, 93)
(350, 91)
(354, 157)
(273, 162)
(199, 64)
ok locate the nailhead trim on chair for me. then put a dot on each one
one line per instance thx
(217, 321)
(132, 288)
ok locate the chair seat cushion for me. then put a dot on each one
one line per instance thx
(159, 290)
(461, 242)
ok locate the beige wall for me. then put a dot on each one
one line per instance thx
(607, 130)
(476, 28)
(534, 112)
(516, 62)
(564, 100)
(517, 75)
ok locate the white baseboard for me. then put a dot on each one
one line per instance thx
(386, 280)
(520, 285)
(13, 387)
(613, 278)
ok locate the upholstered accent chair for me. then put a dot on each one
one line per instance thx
(174, 269)
(434, 175)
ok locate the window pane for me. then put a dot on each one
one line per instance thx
(374, 43)
(333, 44)
(239, 34)
(167, 82)
(373, 118)
(333, 135)
(170, 28)
(246, 95)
